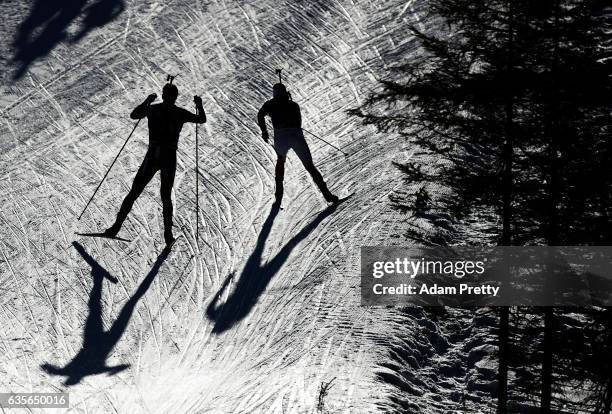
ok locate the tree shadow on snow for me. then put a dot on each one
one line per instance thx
(255, 276)
(98, 343)
(46, 26)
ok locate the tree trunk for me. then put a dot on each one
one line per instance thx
(554, 133)
(507, 177)
(507, 151)
(547, 363)
(502, 373)
(553, 224)
(506, 239)
(608, 399)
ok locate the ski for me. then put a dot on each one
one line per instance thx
(342, 200)
(330, 205)
(103, 236)
(169, 247)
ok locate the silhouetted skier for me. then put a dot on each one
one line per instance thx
(287, 123)
(165, 123)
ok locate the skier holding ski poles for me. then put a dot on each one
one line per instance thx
(165, 121)
(287, 123)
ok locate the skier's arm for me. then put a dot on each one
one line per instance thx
(261, 121)
(198, 118)
(142, 110)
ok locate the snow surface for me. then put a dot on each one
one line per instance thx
(292, 337)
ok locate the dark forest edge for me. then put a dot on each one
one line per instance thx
(513, 98)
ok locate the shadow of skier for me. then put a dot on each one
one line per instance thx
(255, 276)
(98, 15)
(47, 26)
(97, 343)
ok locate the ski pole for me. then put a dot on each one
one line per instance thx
(197, 180)
(321, 139)
(109, 168)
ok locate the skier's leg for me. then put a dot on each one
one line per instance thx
(279, 176)
(167, 182)
(143, 176)
(303, 152)
(281, 147)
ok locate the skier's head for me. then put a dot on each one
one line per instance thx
(279, 91)
(169, 93)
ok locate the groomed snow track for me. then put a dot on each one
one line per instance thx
(264, 311)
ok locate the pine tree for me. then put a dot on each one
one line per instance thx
(459, 102)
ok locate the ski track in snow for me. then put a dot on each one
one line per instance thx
(62, 125)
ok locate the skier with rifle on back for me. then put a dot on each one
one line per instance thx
(287, 123)
(165, 121)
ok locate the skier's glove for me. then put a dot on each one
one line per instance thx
(151, 98)
(265, 136)
(197, 100)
